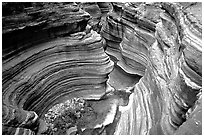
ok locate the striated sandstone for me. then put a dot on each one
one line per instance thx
(38, 23)
(171, 84)
(161, 43)
(48, 73)
(98, 11)
(129, 35)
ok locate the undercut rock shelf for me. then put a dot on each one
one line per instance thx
(102, 68)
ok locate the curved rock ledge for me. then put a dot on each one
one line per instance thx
(128, 37)
(39, 23)
(55, 71)
(53, 62)
(170, 85)
(98, 11)
(43, 75)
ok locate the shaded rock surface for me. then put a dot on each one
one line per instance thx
(169, 48)
(136, 67)
(40, 22)
(126, 39)
(98, 11)
(42, 75)
(119, 79)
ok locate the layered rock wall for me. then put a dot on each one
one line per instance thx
(38, 76)
(38, 23)
(167, 48)
(51, 54)
(126, 38)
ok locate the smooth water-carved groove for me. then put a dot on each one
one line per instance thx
(101, 68)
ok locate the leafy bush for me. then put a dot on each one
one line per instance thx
(64, 115)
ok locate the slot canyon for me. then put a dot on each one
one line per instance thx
(101, 68)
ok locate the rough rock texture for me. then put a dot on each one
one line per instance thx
(51, 55)
(98, 11)
(167, 52)
(126, 38)
(42, 75)
(41, 22)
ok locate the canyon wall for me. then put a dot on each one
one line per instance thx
(53, 52)
(68, 62)
(162, 43)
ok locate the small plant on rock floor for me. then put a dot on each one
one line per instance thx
(64, 115)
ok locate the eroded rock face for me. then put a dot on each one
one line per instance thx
(170, 82)
(53, 55)
(51, 72)
(40, 22)
(126, 35)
